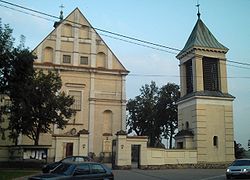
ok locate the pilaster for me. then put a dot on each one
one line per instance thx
(183, 87)
(223, 76)
(93, 49)
(197, 74)
(123, 102)
(91, 112)
(76, 28)
(58, 45)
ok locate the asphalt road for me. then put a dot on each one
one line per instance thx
(167, 174)
(170, 174)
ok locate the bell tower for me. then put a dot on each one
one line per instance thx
(205, 111)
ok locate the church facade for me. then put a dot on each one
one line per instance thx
(94, 76)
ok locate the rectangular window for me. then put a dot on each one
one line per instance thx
(215, 141)
(189, 76)
(210, 74)
(78, 100)
(67, 59)
(84, 60)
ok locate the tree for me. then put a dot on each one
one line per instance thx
(38, 105)
(167, 111)
(141, 110)
(36, 100)
(238, 150)
(6, 48)
(153, 113)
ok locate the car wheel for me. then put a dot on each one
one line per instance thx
(229, 177)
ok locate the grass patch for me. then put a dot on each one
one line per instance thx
(12, 174)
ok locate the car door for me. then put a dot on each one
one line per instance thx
(82, 171)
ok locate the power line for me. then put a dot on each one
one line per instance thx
(109, 32)
(29, 9)
(131, 42)
(27, 13)
(177, 76)
(102, 30)
(138, 44)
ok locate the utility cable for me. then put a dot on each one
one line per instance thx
(109, 32)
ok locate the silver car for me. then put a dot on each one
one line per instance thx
(239, 168)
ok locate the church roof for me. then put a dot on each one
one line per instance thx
(201, 37)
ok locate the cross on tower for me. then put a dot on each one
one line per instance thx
(62, 6)
(198, 7)
(61, 12)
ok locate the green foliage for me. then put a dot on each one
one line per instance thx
(153, 113)
(239, 151)
(36, 100)
(6, 48)
(166, 108)
(39, 104)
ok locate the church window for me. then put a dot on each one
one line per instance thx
(101, 60)
(67, 30)
(210, 74)
(215, 141)
(78, 100)
(189, 76)
(84, 60)
(48, 54)
(84, 32)
(67, 59)
(187, 125)
(107, 122)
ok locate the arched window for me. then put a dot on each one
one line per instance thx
(107, 122)
(187, 125)
(84, 32)
(67, 30)
(101, 60)
(48, 54)
(215, 141)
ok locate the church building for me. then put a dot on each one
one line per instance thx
(95, 77)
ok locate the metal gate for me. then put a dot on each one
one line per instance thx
(113, 153)
(135, 156)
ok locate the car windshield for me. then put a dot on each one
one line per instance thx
(65, 169)
(241, 163)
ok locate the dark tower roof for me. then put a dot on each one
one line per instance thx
(202, 38)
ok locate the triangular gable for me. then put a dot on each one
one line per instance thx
(49, 41)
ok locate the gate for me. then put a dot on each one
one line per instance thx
(113, 153)
(135, 156)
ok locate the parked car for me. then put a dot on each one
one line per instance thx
(77, 170)
(239, 168)
(48, 167)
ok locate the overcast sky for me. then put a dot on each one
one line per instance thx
(165, 22)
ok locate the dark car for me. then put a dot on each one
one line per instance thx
(48, 167)
(78, 170)
(239, 168)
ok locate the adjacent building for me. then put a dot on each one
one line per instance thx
(205, 110)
